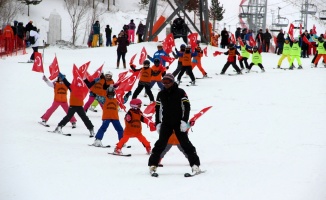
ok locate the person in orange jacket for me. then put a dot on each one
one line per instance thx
(186, 64)
(110, 115)
(133, 127)
(75, 105)
(60, 99)
(158, 71)
(144, 80)
(196, 61)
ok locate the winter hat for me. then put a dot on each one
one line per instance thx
(169, 76)
(135, 103)
(132, 20)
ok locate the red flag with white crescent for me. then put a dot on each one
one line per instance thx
(96, 74)
(216, 53)
(196, 116)
(54, 69)
(119, 93)
(143, 55)
(83, 69)
(241, 42)
(252, 42)
(168, 43)
(127, 83)
(168, 59)
(150, 109)
(291, 31)
(305, 40)
(314, 31)
(78, 88)
(38, 65)
(132, 59)
(232, 38)
(193, 40)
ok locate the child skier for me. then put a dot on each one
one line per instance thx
(196, 61)
(60, 99)
(110, 115)
(256, 59)
(158, 71)
(231, 60)
(285, 53)
(186, 64)
(295, 53)
(133, 127)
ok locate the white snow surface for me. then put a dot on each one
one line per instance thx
(263, 139)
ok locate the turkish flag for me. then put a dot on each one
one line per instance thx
(217, 53)
(150, 109)
(240, 41)
(168, 59)
(119, 93)
(205, 51)
(78, 88)
(305, 40)
(149, 123)
(196, 116)
(96, 74)
(193, 40)
(54, 69)
(38, 65)
(83, 69)
(132, 59)
(291, 31)
(168, 43)
(252, 42)
(143, 55)
(127, 83)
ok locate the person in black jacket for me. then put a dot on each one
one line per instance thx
(173, 105)
(224, 38)
(108, 32)
(122, 48)
(140, 31)
(259, 38)
(267, 40)
(280, 42)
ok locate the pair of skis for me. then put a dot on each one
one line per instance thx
(186, 175)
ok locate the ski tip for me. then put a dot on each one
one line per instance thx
(187, 175)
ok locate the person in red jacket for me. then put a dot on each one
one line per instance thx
(110, 115)
(231, 60)
(133, 128)
(60, 99)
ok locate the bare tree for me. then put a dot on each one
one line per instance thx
(9, 10)
(77, 14)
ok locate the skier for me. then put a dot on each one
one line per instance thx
(196, 61)
(174, 106)
(245, 55)
(321, 48)
(285, 53)
(295, 53)
(60, 99)
(186, 64)
(144, 80)
(75, 105)
(157, 72)
(133, 127)
(160, 52)
(256, 59)
(110, 115)
(231, 60)
(179, 66)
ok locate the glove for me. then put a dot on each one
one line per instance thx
(97, 80)
(158, 128)
(167, 67)
(61, 76)
(192, 123)
(148, 57)
(102, 76)
(183, 126)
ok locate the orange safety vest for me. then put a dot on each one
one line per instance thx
(186, 59)
(198, 57)
(97, 88)
(60, 92)
(134, 127)
(110, 109)
(157, 72)
(145, 75)
(73, 101)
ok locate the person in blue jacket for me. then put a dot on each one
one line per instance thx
(160, 52)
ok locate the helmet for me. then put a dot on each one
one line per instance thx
(110, 91)
(320, 39)
(183, 46)
(255, 48)
(135, 103)
(159, 45)
(231, 45)
(188, 47)
(146, 62)
(157, 61)
(108, 73)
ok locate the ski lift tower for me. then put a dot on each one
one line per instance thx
(177, 7)
(255, 14)
(307, 9)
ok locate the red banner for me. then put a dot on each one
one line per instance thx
(216, 53)
(205, 51)
(193, 40)
(38, 65)
(132, 59)
(168, 59)
(83, 69)
(54, 69)
(78, 87)
(96, 74)
(143, 55)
